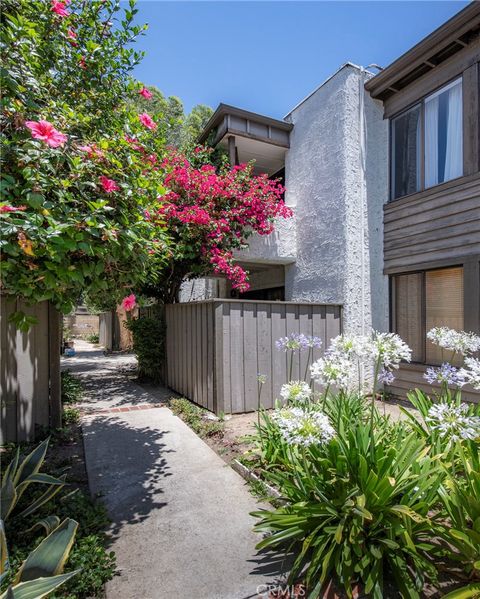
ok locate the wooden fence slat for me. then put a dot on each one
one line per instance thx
(250, 355)
(279, 357)
(236, 358)
(264, 351)
(210, 356)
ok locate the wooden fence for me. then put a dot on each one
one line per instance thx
(216, 348)
(30, 372)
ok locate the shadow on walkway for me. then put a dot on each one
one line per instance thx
(127, 465)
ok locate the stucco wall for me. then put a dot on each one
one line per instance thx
(338, 134)
(278, 247)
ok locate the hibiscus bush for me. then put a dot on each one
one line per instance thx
(211, 211)
(74, 194)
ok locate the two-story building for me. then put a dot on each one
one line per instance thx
(382, 173)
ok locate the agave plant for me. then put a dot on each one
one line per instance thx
(355, 512)
(42, 571)
(19, 475)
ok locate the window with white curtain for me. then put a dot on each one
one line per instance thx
(440, 118)
(444, 135)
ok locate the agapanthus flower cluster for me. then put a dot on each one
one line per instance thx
(459, 342)
(298, 342)
(303, 427)
(352, 347)
(471, 372)
(386, 376)
(295, 391)
(453, 422)
(333, 369)
(446, 374)
(387, 349)
(213, 213)
(346, 353)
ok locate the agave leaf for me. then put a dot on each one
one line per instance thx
(12, 467)
(41, 477)
(8, 497)
(49, 558)
(49, 493)
(50, 523)
(31, 464)
(4, 565)
(36, 589)
(471, 590)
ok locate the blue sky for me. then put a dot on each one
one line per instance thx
(267, 56)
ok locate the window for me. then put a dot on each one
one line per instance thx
(406, 152)
(443, 135)
(441, 144)
(424, 300)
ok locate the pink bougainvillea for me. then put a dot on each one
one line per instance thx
(45, 131)
(210, 214)
(147, 121)
(146, 93)
(109, 185)
(60, 8)
(129, 303)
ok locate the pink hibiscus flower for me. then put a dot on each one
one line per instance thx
(8, 208)
(129, 302)
(108, 185)
(60, 8)
(147, 121)
(45, 131)
(145, 93)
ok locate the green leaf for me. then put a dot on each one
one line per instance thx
(48, 559)
(36, 589)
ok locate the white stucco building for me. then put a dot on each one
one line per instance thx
(331, 151)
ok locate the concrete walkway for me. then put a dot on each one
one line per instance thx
(180, 517)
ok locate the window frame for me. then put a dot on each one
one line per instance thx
(421, 103)
(393, 302)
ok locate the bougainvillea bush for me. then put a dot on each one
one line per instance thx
(74, 195)
(210, 212)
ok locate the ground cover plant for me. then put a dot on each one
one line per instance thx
(197, 418)
(377, 505)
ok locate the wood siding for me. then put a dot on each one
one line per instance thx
(215, 349)
(30, 372)
(410, 376)
(440, 224)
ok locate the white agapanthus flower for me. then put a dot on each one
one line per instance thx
(295, 391)
(471, 372)
(332, 370)
(352, 347)
(389, 349)
(303, 427)
(453, 422)
(456, 341)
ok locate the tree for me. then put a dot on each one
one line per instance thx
(74, 194)
(182, 130)
(209, 213)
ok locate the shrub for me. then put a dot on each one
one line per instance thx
(93, 338)
(357, 514)
(72, 387)
(74, 192)
(149, 345)
(195, 417)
